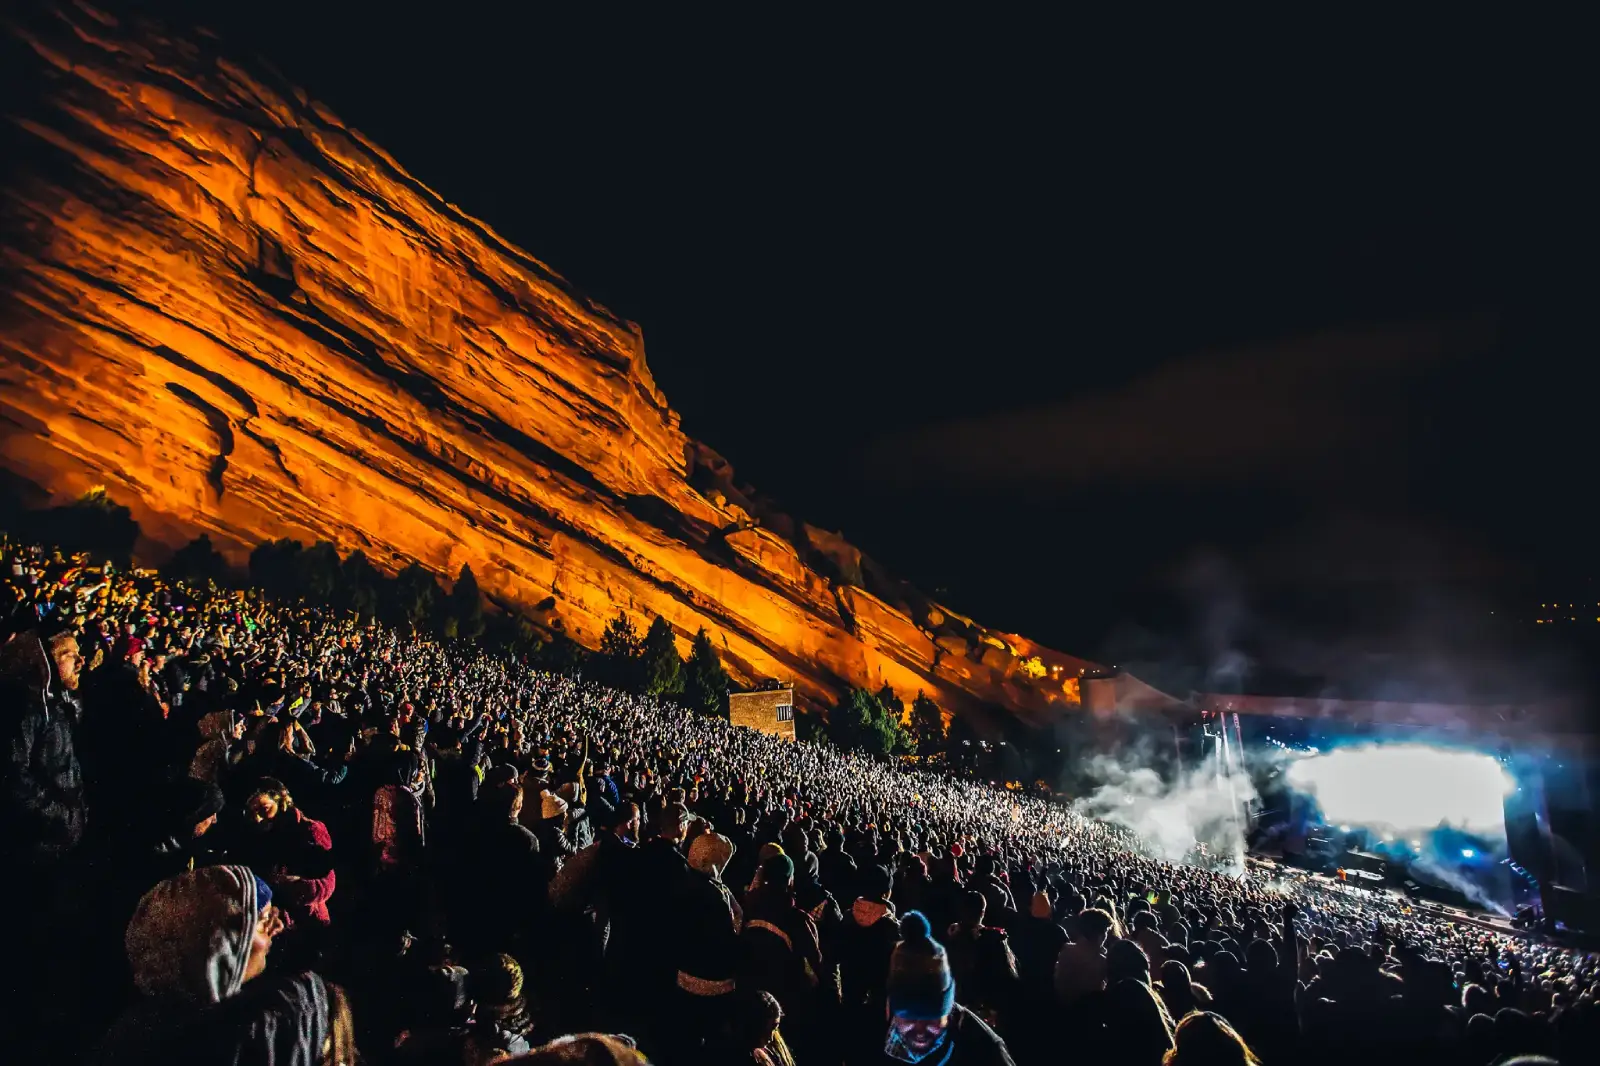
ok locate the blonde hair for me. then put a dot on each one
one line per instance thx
(340, 1047)
(1210, 1039)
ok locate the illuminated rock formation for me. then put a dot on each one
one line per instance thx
(244, 319)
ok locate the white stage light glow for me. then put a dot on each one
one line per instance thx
(1400, 787)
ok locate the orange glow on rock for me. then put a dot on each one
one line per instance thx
(246, 320)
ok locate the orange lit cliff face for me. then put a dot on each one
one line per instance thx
(244, 319)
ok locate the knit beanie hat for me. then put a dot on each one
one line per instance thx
(497, 983)
(551, 805)
(263, 894)
(777, 871)
(188, 801)
(502, 774)
(920, 985)
(710, 853)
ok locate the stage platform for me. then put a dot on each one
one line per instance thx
(1486, 920)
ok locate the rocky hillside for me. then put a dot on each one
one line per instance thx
(243, 318)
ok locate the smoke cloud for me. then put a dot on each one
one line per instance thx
(1204, 805)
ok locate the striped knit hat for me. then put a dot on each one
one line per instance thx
(920, 985)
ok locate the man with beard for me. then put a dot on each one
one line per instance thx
(41, 817)
(43, 797)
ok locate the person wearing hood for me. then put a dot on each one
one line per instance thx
(706, 918)
(865, 941)
(198, 946)
(925, 1024)
(42, 807)
(44, 810)
(221, 749)
(399, 824)
(501, 1024)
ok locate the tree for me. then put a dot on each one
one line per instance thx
(316, 573)
(361, 585)
(705, 682)
(96, 523)
(196, 561)
(661, 667)
(893, 707)
(962, 744)
(621, 655)
(861, 722)
(927, 725)
(416, 596)
(466, 605)
(272, 566)
(560, 654)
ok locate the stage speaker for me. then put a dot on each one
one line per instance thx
(1576, 910)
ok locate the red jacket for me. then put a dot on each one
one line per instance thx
(294, 846)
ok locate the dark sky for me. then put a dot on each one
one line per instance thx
(1128, 341)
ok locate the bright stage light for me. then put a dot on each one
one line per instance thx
(1344, 829)
(1400, 787)
(1468, 853)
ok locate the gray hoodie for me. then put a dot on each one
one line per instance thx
(188, 943)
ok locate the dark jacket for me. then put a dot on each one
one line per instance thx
(864, 942)
(969, 1043)
(123, 741)
(43, 800)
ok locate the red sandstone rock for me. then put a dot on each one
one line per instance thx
(245, 319)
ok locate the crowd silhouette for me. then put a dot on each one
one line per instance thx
(243, 830)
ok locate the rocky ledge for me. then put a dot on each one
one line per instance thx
(245, 319)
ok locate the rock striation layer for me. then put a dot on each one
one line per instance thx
(245, 319)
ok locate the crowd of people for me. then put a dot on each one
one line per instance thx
(245, 830)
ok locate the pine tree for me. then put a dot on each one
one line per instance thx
(662, 668)
(416, 596)
(927, 725)
(621, 655)
(197, 561)
(315, 573)
(854, 723)
(361, 585)
(466, 605)
(705, 683)
(272, 566)
(892, 705)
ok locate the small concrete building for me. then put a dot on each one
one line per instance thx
(770, 711)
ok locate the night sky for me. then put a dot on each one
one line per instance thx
(1271, 363)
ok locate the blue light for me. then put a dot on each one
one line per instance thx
(1468, 853)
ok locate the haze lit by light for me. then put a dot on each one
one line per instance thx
(1406, 787)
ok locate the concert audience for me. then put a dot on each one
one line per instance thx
(191, 772)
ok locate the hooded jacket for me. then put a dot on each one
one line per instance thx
(42, 801)
(188, 944)
(211, 759)
(866, 939)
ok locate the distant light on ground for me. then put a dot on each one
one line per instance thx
(1401, 787)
